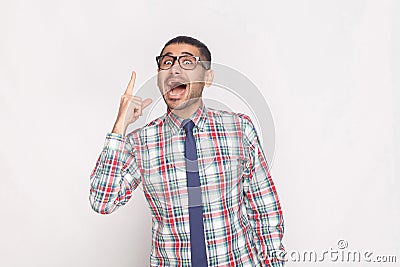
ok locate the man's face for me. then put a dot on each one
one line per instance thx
(181, 88)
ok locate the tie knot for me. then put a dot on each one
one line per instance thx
(188, 125)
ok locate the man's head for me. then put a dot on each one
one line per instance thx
(191, 41)
(183, 71)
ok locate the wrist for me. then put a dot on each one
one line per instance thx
(118, 128)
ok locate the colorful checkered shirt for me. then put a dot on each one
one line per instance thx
(242, 217)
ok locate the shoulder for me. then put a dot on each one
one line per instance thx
(228, 117)
(235, 123)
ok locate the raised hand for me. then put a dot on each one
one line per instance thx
(130, 108)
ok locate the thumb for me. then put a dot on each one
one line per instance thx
(146, 102)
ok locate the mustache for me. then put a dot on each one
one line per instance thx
(176, 79)
(182, 80)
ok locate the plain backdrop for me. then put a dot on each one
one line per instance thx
(328, 69)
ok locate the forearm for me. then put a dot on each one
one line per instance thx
(265, 216)
(111, 181)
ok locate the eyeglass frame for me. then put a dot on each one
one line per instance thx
(176, 58)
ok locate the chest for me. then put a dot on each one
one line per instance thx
(220, 163)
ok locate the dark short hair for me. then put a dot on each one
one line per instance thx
(191, 41)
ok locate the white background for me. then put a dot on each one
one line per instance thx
(328, 69)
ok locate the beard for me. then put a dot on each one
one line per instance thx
(184, 104)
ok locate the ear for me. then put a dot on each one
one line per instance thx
(208, 78)
(159, 85)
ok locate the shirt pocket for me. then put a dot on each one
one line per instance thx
(223, 180)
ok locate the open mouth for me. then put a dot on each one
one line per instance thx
(176, 90)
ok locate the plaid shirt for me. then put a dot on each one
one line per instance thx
(242, 216)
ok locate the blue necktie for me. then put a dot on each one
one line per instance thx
(197, 240)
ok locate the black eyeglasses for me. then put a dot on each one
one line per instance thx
(186, 62)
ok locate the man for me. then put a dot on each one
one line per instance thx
(203, 171)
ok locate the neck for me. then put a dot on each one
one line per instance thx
(188, 109)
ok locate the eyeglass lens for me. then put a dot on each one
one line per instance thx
(186, 62)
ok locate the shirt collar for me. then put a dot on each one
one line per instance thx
(199, 118)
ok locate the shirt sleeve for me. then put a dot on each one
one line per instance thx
(115, 175)
(262, 203)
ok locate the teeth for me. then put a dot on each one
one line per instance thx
(174, 84)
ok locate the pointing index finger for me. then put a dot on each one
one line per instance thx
(129, 88)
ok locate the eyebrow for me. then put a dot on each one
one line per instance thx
(183, 53)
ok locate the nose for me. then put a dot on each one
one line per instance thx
(176, 68)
